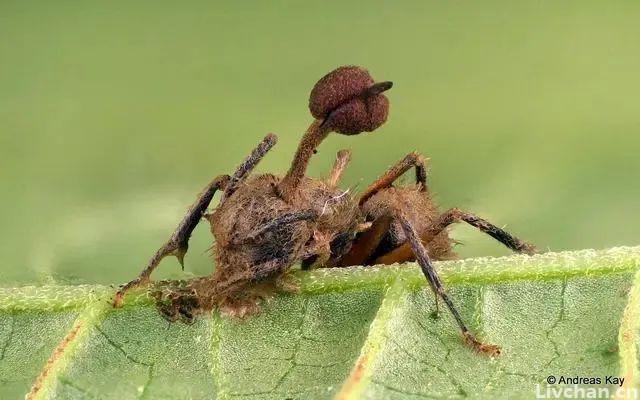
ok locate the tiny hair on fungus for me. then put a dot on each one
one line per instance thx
(265, 224)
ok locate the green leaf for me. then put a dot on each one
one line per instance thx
(350, 334)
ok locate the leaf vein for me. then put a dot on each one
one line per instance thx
(362, 370)
(63, 353)
(7, 343)
(628, 337)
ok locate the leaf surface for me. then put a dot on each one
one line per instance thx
(358, 333)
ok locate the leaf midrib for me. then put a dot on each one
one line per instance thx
(93, 302)
(484, 270)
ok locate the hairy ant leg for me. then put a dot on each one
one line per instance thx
(411, 160)
(454, 215)
(436, 284)
(404, 252)
(342, 160)
(249, 164)
(280, 221)
(178, 243)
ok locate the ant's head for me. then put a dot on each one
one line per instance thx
(348, 101)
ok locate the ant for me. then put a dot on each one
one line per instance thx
(265, 224)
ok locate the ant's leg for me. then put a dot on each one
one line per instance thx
(368, 242)
(249, 164)
(404, 253)
(499, 234)
(178, 243)
(342, 160)
(411, 160)
(436, 284)
(284, 219)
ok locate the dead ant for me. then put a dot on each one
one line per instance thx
(265, 224)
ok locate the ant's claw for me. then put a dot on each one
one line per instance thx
(529, 249)
(179, 253)
(487, 349)
(117, 300)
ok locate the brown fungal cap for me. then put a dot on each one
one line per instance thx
(337, 87)
(350, 100)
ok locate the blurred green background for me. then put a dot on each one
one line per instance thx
(113, 115)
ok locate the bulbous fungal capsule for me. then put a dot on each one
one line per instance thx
(349, 101)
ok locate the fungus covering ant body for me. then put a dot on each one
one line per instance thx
(265, 224)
